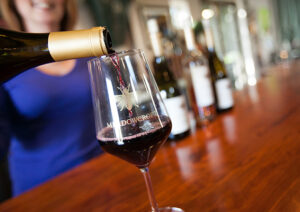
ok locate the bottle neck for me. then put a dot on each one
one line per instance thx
(80, 43)
(208, 35)
(191, 45)
(189, 39)
(162, 72)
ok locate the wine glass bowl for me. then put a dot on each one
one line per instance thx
(139, 148)
(131, 120)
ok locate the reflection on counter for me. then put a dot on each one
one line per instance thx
(215, 156)
(229, 127)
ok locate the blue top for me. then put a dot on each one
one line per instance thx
(47, 123)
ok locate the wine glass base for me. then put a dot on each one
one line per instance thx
(170, 209)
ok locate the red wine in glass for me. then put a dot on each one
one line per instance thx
(140, 148)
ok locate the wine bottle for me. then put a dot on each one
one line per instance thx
(20, 51)
(198, 69)
(221, 83)
(169, 90)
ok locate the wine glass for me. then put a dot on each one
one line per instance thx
(131, 119)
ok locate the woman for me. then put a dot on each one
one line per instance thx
(47, 118)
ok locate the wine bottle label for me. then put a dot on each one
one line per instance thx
(178, 114)
(202, 86)
(224, 93)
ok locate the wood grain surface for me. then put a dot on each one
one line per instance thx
(248, 159)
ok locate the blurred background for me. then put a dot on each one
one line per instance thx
(248, 35)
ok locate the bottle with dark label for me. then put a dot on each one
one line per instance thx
(221, 83)
(20, 51)
(197, 66)
(169, 90)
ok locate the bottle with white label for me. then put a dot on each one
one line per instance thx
(222, 84)
(169, 90)
(200, 76)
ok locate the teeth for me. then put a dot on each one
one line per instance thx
(42, 5)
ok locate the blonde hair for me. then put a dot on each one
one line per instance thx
(14, 21)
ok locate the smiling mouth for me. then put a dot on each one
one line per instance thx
(42, 5)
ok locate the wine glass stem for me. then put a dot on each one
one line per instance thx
(153, 203)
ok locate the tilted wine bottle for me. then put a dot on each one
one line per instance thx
(197, 66)
(20, 51)
(169, 90)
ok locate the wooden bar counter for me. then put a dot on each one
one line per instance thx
(248, 159)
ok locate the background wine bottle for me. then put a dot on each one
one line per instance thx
(169, 90)
(20, 51)
(221, 83)
(197, 66)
